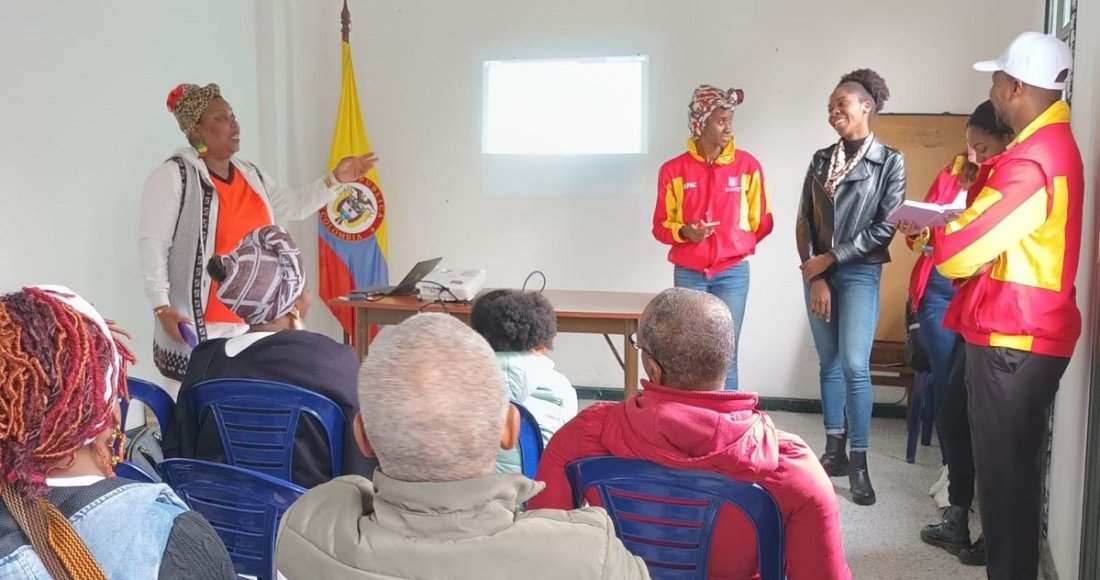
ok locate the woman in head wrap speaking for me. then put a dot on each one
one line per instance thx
(262, 282)
(201, 202)
(712, 208)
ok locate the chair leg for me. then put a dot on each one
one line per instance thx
(916, 403)
(928, 410)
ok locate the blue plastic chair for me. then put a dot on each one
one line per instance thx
(127, 470)
(667, 516)
(258, 420)
(530, 442)
(243, 506)
(152, 396)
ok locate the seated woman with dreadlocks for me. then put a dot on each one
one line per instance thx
(263, 282)
(64, 515)
(521, 326)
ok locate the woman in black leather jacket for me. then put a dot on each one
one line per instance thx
(843, 240)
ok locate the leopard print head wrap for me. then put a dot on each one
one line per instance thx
(188, 102)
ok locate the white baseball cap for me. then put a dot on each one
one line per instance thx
(1034, 58)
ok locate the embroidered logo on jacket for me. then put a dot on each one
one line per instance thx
(734, 184)
(691, 185)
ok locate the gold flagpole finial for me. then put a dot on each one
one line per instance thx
(345, 22)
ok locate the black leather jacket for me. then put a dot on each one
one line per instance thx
(851, 224)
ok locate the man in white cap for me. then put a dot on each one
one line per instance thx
(1017, 246)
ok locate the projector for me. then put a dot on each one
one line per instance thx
(451, 285)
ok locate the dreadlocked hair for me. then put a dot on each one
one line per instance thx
(53, 372)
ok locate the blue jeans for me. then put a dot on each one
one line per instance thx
(732, 287)
(939, 343)
(844, 350)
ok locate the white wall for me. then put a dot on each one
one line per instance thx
(1071, 409)
(84, 121)
(419, 71)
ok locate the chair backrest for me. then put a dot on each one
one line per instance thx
(154, 397)
(257, 421)
(530, 442)
(667, 516)
(243, 506)
(132, 472)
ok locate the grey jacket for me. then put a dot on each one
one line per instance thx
(352, 529)
(852, 223)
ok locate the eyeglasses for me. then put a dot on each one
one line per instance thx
(633, 338)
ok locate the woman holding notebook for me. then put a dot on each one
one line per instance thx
(930, 293)
(843, 240)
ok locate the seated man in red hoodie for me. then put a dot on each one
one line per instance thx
(685, 420)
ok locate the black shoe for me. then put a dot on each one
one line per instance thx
(860, 480)
(952, 534)
(835, 460)
(974, 555)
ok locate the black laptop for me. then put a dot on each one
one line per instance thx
(407, 286)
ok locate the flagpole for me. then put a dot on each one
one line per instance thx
(345, 35)
(345, 22)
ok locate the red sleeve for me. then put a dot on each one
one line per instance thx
(568, 444)
(668, 214)
(815, 550)
(1011, 206)
(760, 205)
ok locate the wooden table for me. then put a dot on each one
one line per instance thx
(580, 311)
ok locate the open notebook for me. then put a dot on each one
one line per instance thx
(928, 215)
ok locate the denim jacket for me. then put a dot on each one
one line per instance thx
(126, 530)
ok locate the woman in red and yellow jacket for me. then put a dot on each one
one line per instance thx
(930, 294)
(712, 208)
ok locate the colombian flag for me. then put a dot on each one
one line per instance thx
(352, 227)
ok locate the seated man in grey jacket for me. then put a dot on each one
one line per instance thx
(434, 411)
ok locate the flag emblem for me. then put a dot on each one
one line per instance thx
(356, 212)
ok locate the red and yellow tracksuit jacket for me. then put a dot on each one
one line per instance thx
(1026, 225)
(730, 191)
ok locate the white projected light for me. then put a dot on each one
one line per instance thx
(565, 107)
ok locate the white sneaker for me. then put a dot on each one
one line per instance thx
(940, 485)
(942, 498)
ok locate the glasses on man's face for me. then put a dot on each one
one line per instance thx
(634, 342)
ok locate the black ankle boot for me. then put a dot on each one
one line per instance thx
(860, 480)
(974, 555)
(953, 533)
(835, 460)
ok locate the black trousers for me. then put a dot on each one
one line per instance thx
(1011, 393)
(953, 426)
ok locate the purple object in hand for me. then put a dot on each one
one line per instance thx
(188, 334)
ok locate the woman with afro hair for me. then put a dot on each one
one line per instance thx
(520, 326)
(843, 240)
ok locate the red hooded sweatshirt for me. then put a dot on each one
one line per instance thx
(721, 432)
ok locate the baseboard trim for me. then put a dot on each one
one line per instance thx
(791, 405)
